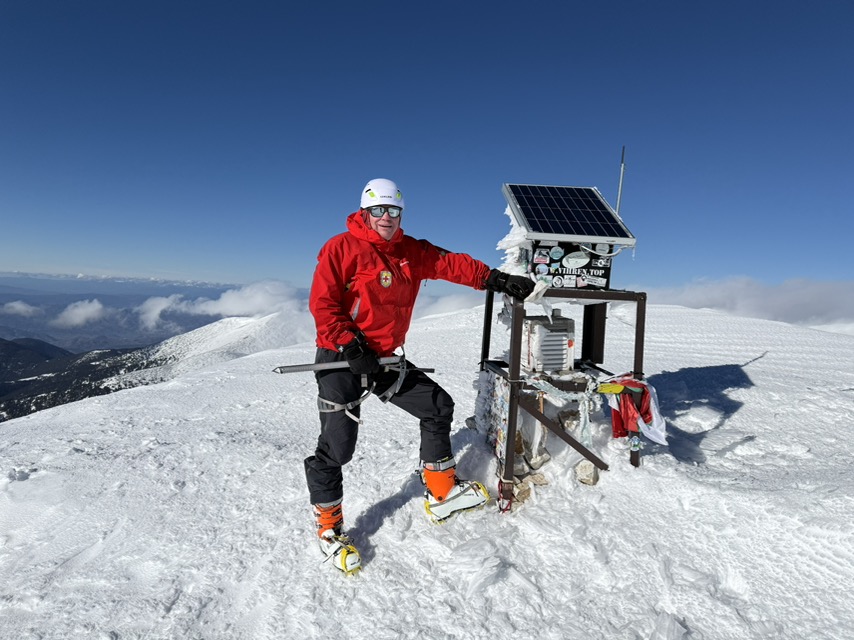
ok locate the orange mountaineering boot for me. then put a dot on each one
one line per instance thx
(335, 545)
(447, 495)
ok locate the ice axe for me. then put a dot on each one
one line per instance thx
(388, 362)
(391, 363)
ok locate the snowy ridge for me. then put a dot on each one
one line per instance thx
(218, 342)
(179, 510)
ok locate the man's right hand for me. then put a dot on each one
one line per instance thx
(361, 358)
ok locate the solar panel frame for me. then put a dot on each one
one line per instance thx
(566, 214)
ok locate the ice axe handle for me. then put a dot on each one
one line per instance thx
(322, 366)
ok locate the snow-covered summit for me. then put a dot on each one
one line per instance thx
(215, 343)
(179, 510)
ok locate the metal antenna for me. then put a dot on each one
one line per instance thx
(622, 172)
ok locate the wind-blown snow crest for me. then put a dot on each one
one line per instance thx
(218, 342)
(179, 510)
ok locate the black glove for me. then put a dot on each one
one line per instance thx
(517, 286)
(361, 358)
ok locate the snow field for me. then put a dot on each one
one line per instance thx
(179, 510)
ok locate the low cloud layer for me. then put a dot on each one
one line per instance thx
(804, 302)
(257, 299)
(80, 313)
(20, 308)
(825, 305)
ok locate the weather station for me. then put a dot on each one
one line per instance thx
(564, 237)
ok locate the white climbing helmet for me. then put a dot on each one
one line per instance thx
(381, 191)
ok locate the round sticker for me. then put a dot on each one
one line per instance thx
(575, 260)
(556, 253)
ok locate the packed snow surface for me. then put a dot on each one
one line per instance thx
(179, 509)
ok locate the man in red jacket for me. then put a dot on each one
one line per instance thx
(362, 296)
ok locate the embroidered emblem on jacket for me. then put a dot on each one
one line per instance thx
(385, 278)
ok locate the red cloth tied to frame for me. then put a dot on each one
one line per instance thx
(634, 403)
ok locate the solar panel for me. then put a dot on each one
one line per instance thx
(570, 214)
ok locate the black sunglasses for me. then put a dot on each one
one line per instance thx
(380, 210)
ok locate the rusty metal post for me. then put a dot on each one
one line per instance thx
(637, 372)
(516, 322)
(487, 329)
(593, 339)
(563, 435)
(640, 328)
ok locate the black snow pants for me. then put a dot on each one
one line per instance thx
(419, 396)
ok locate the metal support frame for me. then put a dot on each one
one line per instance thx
(595, 315)
(592, 350)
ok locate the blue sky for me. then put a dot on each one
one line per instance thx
(226, 141)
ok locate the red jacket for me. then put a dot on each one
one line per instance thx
(365, 283)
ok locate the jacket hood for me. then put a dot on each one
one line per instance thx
(358, 227)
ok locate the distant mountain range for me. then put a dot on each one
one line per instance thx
(37, 375)
(45, 362)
